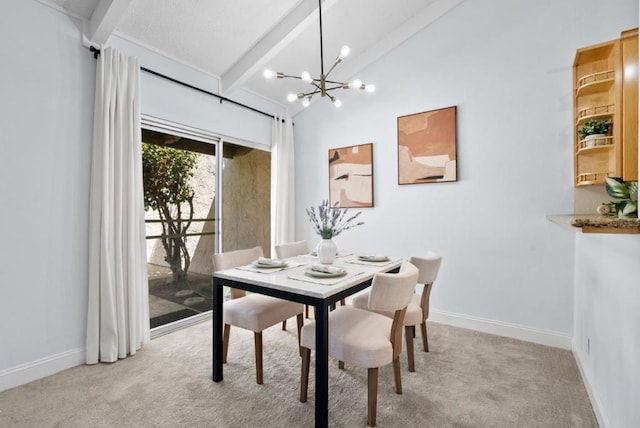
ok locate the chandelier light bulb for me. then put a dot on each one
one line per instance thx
(292, 97)
(344, 51)
(337, 102)
(370, 88)
(268, 74)
(356, 84)
(306, 102)
(306, 76)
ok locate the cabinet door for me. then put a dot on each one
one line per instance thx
(629, 52)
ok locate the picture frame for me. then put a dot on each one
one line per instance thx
(427, 147)
(351, 176)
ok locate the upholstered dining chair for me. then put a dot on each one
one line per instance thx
(292, 249)
(254, 312)
(364, 338)
(418, 310)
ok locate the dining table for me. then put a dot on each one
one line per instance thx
(298, 279)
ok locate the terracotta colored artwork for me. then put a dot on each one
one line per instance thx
(351, 176)
(427, 147)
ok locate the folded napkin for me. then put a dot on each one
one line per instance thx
(326, 269)
(265, 261)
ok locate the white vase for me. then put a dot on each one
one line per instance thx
(595, 140)
(327, 251)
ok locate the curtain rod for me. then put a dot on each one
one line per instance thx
(96, 53)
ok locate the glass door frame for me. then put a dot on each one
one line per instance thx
(173, 128)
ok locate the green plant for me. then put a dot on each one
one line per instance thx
(593, 126)
(626, 192)
(165, 175)
(329, 221)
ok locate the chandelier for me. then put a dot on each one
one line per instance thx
(322, 85)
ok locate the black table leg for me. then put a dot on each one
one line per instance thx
(322, 365)
(217, 331)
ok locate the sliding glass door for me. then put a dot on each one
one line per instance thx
(179, 178)
(184, 192)
(246, 189)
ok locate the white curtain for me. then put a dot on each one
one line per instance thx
(282, 183)
(118, 312)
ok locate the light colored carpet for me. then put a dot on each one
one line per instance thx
(468, 379)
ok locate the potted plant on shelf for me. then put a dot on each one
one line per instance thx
(593, 132)
(627, 194)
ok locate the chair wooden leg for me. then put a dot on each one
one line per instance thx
(284, 324)
(372, 381)
(408, 332)
(425, 341)
(341, 365)
(396, 375)
(306, 311)
(300, 321)
(304, 374)
(225, 342)
(257, 340)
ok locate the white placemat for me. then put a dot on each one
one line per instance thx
(324, 281)
(357, 261)
(339, 255)
(252, 268)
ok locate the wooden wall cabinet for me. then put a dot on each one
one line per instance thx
(605, 82)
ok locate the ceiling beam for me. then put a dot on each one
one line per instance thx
(272, 43)
(104, 20)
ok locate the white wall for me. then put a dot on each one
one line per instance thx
(167, 100)
(606, 341)
(46, 116)
(507, 67)
(607, 323)
(46, 120)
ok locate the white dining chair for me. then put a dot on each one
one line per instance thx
(418, 310)
(364, 338)
(254, 312)
(292, 249)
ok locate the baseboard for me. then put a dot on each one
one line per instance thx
(28, 372)
(603, 421)
(515, 331)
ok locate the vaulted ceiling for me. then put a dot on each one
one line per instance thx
(236, 40)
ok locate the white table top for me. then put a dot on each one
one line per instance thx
(280, 280)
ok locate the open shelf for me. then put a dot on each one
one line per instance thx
(595, 112)
(601, 81)
(599, 144)
(589, 178)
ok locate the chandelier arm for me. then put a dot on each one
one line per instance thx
(334, 87)
(333, 82)
(310, 94)
(292, 77)
(332, 67)
(316, 85)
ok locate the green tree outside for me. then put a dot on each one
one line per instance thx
(166, 173)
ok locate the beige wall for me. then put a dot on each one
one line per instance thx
(246, 201)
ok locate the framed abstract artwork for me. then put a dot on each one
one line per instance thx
(351, 176)
(427, 147)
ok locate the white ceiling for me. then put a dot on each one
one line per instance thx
(236, 40)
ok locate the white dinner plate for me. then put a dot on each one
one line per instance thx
(270, 265)
(374, 258)
(319, 274)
